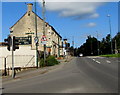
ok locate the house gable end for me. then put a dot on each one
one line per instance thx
(17, 21)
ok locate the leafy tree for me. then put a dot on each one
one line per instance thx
(105, 45)
(90, 47)
(116, 41)
(71, 50)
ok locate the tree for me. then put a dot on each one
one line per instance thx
(71, 50)
(105, 45)
(116, 42)
(89, 47)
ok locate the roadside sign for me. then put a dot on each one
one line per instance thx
(43, 42)
(36, 39)
(43, 39)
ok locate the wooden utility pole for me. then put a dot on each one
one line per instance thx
(43, 15)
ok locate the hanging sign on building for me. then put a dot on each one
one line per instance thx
(43, 39)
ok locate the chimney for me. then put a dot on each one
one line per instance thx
(29, 5)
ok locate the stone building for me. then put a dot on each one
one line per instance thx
(25, 30)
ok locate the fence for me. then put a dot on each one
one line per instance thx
(19, 61)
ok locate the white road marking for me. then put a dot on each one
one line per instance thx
(108, 61)
(95, 57)
(97, 62)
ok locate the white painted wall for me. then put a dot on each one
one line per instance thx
(24, 57)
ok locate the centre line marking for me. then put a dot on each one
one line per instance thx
(108, 61)
(98, 62)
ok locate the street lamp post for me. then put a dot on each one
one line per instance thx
(110, 33)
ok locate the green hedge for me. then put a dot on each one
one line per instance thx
(50, 61)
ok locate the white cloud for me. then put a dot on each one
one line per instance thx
(95, 15)
(91, 24)
(77, 10)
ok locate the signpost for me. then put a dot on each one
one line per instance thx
(36, 40)
(44, 40)
(43, 15)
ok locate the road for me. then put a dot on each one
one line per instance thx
(80, 75)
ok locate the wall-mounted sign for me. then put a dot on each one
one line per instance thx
(24, 40)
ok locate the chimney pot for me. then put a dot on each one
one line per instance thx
(29, 5)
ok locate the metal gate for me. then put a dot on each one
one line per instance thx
(19, 61)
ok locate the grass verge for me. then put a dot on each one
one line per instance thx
(111, 55)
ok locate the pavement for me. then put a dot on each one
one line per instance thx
(31, 72)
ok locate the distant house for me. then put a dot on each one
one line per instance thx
(24, 29)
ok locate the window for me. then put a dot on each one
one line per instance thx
(29, 13)
(52, 33)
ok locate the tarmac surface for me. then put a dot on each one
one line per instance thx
(80, 75)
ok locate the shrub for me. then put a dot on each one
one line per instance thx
(50, 61)
(61, 56)
(41, 62)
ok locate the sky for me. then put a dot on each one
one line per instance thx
(73, 20)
